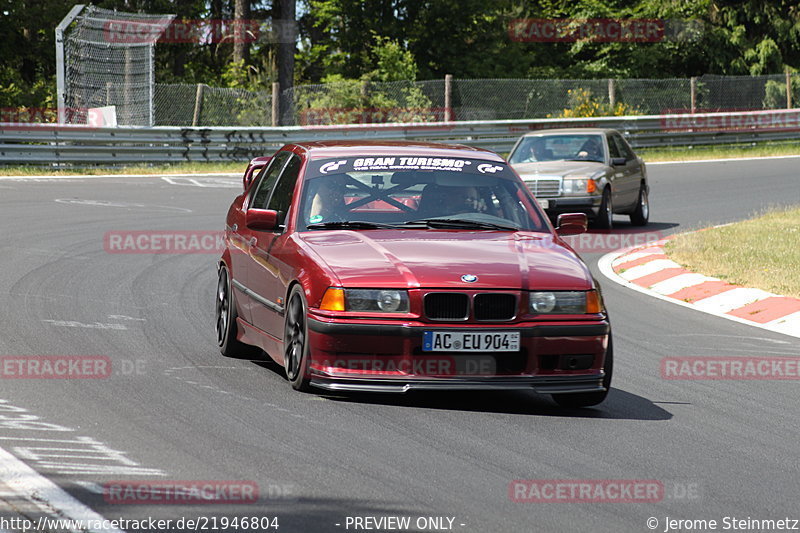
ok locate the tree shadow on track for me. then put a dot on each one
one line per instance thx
(303, 514)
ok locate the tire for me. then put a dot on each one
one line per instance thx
(641, 214)
(295, 340)
(587, 399)
(225, 314)
(605, 217)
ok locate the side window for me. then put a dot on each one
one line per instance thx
(624, 149)
(266, 180)
(282, 197)
(613, 150)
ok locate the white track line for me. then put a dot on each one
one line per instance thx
(36, 488)
(729, 159)
(236, 174)
(106, 176)
(788, 328)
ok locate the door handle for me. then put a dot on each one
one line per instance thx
(253, 241)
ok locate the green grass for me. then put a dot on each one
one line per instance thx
(728, 151)
(649, 154)
(235, 167)
(762, 252)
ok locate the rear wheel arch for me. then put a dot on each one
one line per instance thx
(226, 315)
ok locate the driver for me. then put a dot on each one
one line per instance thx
(591, 150)
(462, 200)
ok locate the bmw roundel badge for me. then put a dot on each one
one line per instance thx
(469, 278)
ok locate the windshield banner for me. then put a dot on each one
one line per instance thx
(404, 163)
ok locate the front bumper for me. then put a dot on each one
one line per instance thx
(567, 204)
(554, 358)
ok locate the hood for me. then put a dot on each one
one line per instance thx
(438, 259)
(559, 169)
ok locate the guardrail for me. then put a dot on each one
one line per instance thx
(81, 145)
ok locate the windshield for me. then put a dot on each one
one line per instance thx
(574, 147)
(392, 191)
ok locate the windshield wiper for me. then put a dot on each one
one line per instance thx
(461, 223)
(350, 224)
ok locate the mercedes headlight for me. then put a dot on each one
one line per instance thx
(579, 186)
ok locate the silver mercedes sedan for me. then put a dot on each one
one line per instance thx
(588, 170)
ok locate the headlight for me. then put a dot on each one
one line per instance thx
(542, 302)
(564, 302)
(578, 186)
(376, 300)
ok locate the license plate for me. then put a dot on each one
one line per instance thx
(470, 341)
(544, 204)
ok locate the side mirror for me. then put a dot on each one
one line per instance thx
(618, 161)
(571, 224)
(261, 219)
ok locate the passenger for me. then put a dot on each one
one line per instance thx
(537, 151)
(327, 204)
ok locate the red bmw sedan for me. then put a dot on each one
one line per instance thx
(396, 266)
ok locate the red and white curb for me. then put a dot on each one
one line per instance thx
(648, 270)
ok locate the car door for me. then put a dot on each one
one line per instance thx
(269, 271)
(628, 175)
(241, 236)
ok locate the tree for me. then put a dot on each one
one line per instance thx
(348, 101)
(286, 24)
(466, 38)
(241, 15)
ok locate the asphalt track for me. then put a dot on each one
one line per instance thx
(175, 409)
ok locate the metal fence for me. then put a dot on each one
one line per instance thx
(82, 145)
(106, 57)
(487, 99)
